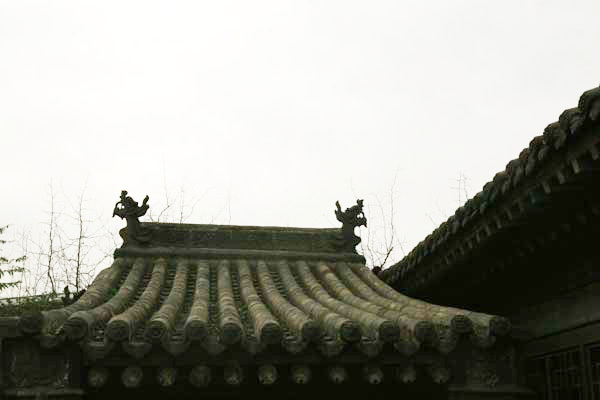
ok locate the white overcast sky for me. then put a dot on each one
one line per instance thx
(274, 110)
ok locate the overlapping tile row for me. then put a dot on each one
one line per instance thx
(543, 150)
(255, 303)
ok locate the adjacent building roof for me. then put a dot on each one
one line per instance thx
(551, 180)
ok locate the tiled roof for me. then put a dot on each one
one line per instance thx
(550, 159)
(262, 288)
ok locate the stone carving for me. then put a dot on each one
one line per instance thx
(407, 374)
(373, 374)
(350, 219)
(98, 376)
(128, 209)
(484, 367)
(338, 374)
(29, 366)
(233, 374)
(131, 377)
(200, 376)
(267, 374)
(480, 374)
(166, 376)
(439, 373)
(301, 374)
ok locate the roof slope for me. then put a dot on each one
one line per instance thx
(565, 155)
(249, 288)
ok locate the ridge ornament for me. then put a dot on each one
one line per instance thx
(350, 219)
(128, 209)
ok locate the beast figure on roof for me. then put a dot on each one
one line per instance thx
(350, 219)
(129, 209)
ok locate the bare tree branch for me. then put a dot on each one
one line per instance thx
(51, 239)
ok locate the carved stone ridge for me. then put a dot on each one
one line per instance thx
(489, 367)
(29, 366)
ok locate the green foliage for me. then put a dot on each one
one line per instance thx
(9, 267)
(17, 306)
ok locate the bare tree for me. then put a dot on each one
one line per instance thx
(69, 250)
(9, 267)
(79, 260)
(461, 189)
(42, 249)
(179, 207)
(51, 245)
(381, 244)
